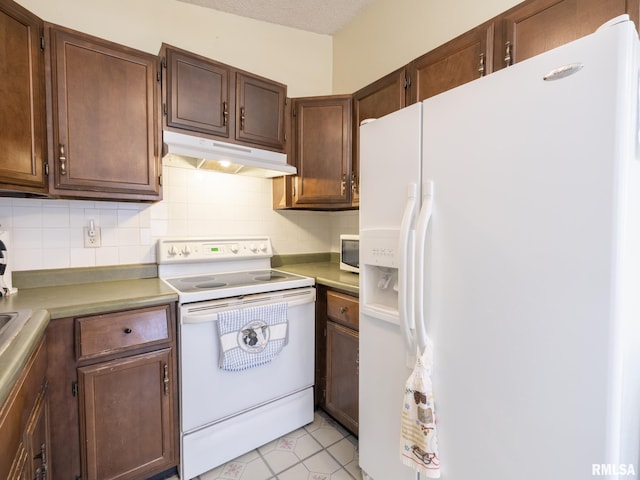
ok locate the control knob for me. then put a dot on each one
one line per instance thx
(253, 248)
(234, 248)
(172, 251)
(186, 250)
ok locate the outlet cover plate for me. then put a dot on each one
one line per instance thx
(92, 241)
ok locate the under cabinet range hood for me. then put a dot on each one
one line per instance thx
(189, 151)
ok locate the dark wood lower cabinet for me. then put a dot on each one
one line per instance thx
(114, 399)
(337, 356)
(125, 414)
(24, 423)
(342, 375)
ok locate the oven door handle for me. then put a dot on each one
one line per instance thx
(203, 314)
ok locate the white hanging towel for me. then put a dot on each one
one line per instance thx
(418, 436)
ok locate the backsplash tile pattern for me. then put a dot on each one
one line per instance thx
(47, 234)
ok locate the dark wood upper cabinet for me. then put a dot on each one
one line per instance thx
(377, 99)
(536, 26)
(381, 97)
(465, 58)
(199, 96)
(105, 116)
(322, 151)
(320, 148)
(260, 111)
(23, 141)
(215, 100)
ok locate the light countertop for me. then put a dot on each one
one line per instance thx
(326, 273)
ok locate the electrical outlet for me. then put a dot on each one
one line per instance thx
(94, 240)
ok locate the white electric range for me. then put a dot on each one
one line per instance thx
(227, 410)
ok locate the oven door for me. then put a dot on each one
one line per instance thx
(210, 394)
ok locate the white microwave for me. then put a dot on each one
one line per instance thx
(350, 253)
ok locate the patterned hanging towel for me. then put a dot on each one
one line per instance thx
(418, 437)
(252, 336)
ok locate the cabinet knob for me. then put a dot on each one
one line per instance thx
(127, 330)
(343, 310)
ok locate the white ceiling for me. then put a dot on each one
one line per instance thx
(319, 16)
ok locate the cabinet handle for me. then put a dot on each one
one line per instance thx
(165, 379)
(481, 67)
(354, 186)
(127, 330)
(343, 184)
(241, 118)
(42, 455)
(225, 114)
(63, 160)
(507, 54)
(343, 310)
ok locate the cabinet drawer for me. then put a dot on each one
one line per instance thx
(343, 308)
(110, 333)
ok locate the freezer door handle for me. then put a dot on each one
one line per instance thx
(421, 240)
(406, 312)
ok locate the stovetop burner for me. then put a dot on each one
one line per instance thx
(269, 277)
(208, 285)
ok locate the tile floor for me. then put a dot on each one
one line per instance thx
(322, 450)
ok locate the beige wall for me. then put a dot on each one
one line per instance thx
(391, 33)
(302, 60)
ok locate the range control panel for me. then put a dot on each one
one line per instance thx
(186, 249)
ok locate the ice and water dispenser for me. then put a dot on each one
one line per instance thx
(379, 262)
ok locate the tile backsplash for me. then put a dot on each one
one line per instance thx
(47, 234)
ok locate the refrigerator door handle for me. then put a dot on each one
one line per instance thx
(421, 240)
(406, 314)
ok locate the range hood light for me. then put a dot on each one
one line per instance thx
(189, 151)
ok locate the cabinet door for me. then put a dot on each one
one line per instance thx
(380, 98)
(537, 26)
(260, 111)
(342, 375)
(105, 119)
(22, 106)
(322, 151)
(37, 439)
(127, 427)
(198, 94)
(459, 61)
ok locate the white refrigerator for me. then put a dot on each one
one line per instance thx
(501, 219)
